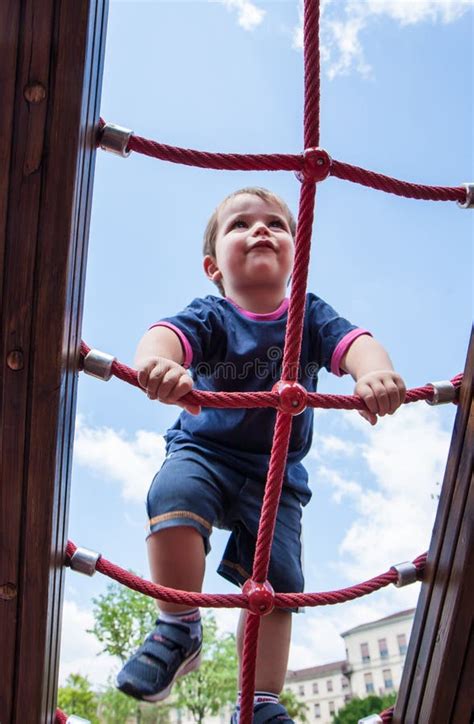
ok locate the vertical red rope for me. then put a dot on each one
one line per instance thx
(249, 661)
(291, 357)
(312, 83)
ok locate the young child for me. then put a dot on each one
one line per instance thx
(217, 460)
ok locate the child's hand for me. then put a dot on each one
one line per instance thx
(383, 391)
(166, 381)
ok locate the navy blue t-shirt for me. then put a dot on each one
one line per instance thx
(228, 348)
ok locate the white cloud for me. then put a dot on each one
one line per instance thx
(249, 15)
(404, 457)
(112, 454)
(343, 23)
(80, 650)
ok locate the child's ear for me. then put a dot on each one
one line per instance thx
(211, 269)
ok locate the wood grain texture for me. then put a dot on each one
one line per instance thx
(51, 60)
(439, 649)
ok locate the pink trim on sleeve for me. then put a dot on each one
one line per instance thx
(342, 348)
(187, 349)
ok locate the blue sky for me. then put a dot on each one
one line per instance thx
(227, 76)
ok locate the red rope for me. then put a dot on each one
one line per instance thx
(252, 400)
(61, 717)
(293, 162)
(387, 714)
(240, 600)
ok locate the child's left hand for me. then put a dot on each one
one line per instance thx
(383, 391)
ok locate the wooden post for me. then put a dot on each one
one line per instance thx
(51, 60)
(437, 683)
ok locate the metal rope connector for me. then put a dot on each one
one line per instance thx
(371, 719)
(84, 561)
(406, 573)
(115, 139)
(469, 202)
(73, 719)
(99, 364)
(443, 392)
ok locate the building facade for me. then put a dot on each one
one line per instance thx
(375, 654)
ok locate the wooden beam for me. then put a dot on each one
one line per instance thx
(437, 682)
(51, 60)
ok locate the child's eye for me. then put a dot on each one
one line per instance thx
(239, 224)
(277, 222)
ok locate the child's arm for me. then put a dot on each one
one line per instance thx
(381, 388)
(158, 360)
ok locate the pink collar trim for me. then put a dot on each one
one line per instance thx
(268, 316)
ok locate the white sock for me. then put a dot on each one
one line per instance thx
(191, 619)
(260, 697)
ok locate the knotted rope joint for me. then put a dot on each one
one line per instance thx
(292, 397)
(316, 165)
(261, 597)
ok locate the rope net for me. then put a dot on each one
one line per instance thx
(312, 166)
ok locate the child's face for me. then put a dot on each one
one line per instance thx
(254, 244)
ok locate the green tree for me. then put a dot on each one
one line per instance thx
(206, 691)
(296, 709)
(122, 620)
(117, 708)
(358, 708)
(78, 698)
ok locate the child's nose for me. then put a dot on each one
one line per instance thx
(260, 228)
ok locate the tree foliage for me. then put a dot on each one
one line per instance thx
(296, 709)
(206, 691)
(358, 708)
(78, 698)
(123, 618)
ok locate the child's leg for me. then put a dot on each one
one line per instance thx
(177, 560)
(272, 652)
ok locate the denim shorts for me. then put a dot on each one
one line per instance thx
(193, 490)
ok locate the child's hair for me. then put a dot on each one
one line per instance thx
(210, 234)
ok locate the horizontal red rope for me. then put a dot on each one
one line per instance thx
(395, 186)
(387, 714)
(267, 399)
(291, 162)
(240, 600)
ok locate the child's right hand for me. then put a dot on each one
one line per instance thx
(166, 381)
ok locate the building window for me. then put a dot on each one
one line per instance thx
(317, 711)
(344, 682)
(383, 649)
(347, 698)
(402, 643)
(332, 707)
(301, 690)
(369, 683)
(329, 685)
(364, 652)
(315, 687)
(387, 679)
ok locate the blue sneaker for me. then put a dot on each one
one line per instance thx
(166, 654)
(266, 712)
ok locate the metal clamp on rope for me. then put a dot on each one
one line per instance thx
(99, 364)
(73, 719)
(371, 719)
(84, 561)
(469, 202)
(443, 392)
(406, 573)
(116, 139)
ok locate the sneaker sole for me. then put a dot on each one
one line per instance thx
(186, 667)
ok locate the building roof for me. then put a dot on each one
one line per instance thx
(315, 672)
(380, 621)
